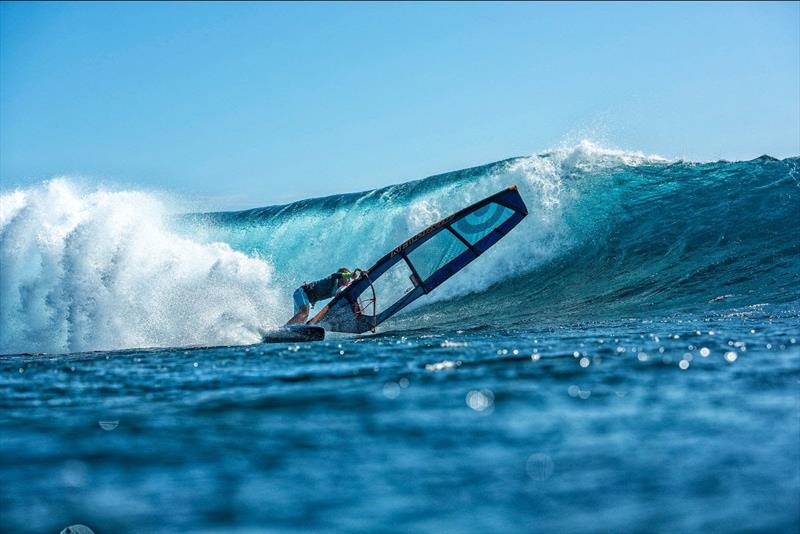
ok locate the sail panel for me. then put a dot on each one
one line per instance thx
(439, 250)
(476, 225)
(393, 285)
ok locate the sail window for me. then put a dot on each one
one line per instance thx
(435, 253)
(393, 285)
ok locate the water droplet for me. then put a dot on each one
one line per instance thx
(391, 390)
(731, 356)
(683, 364)
(704, 352)
(539, 467)
(77, 529)
(480, 401)
(108, 424)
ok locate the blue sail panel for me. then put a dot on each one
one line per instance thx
(438, 251)
(479, 223)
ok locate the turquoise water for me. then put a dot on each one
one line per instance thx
(627, 359)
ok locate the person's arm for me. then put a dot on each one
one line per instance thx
(339, 279)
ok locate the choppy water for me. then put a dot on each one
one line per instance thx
(626, 360)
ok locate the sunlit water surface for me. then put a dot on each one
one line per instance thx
(685, 423)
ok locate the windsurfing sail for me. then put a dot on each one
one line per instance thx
(422, 263)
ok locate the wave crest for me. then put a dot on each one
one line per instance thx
(609, 234)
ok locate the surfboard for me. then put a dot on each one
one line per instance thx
(293, 333)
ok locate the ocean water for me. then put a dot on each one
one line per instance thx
(627, 359)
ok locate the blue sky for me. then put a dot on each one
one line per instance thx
(258, 103)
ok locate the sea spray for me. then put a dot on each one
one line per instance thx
(88, 270)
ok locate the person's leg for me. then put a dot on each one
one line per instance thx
(301, 307)
(301, 316)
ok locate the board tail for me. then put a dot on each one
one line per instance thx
(293, 333)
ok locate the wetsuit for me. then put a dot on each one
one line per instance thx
(311, 293)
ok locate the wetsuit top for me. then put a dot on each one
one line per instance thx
(324, 288)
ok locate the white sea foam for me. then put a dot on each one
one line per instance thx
(86, 270)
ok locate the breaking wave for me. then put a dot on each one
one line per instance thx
(609, 234)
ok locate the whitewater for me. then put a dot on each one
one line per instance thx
(626, 359)
(609, 233)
